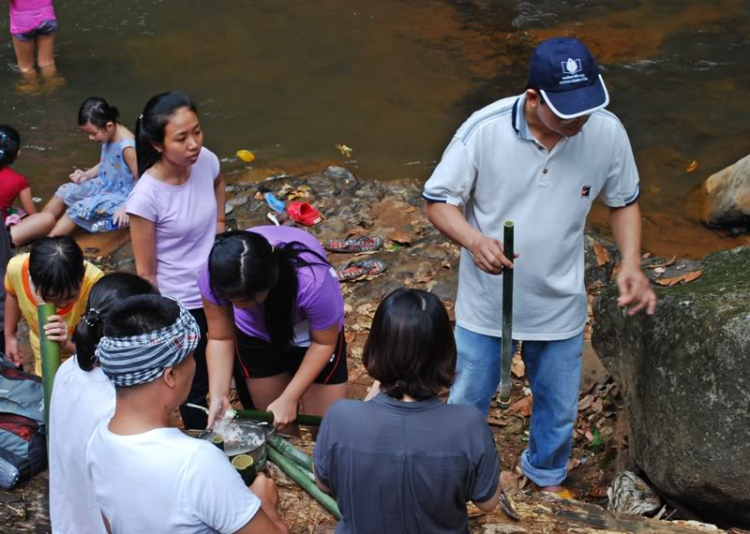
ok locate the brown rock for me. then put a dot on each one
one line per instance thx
(727, 199)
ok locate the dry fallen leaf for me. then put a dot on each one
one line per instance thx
(602, 254)
(401, 237)
(671, 261)
(521, 407)
(517, 366)
(411, 209)
(350, 336)
(684, 278)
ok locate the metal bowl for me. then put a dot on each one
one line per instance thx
(251, 433)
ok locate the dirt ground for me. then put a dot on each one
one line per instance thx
(417, 256)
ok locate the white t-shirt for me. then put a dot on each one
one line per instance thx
(80, 402)
(165, 481)
(496, 170)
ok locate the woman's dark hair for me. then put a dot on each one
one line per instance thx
(56, 267)
(96, 111)
(151, 125)
(140, 314)
(106, 293)
(411, 349)
(10, 143)
(242, 264)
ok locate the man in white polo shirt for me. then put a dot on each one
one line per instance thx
(538, 159)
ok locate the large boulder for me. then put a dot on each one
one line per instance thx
(727, 196)
(685, 374)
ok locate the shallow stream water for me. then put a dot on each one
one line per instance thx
(393, 79)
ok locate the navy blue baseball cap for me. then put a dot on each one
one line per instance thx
(567, 77)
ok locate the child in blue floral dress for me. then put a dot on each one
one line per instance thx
(95, 200)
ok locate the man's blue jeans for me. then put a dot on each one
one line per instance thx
(554, 372)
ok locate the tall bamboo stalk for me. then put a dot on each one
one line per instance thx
(507, 355)
(50, 351)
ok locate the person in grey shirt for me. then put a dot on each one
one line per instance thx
(538, 159)
(405, 462)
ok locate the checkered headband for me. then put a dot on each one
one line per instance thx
(129, 361)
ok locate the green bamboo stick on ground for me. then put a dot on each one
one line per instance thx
(296, 474)
(256, 415)
(507, 347)
(292, 452)
(50, 351)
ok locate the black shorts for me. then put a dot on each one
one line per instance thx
(259, 360)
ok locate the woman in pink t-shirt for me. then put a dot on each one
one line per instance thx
(176, 209)
(33, 22)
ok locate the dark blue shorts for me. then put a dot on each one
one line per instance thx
(47, 27)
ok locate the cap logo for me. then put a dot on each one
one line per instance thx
(572, 72)
(571, 66)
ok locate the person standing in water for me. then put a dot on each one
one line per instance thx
(33, 25)
(539, 159)
(176, 209)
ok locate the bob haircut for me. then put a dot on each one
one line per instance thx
(56, 267)
(411, 349)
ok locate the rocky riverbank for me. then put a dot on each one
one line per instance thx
(417, 256)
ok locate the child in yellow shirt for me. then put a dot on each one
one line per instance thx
(54, 272)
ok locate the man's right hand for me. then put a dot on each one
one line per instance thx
(489, 255)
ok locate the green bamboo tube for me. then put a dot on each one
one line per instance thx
(50, 351)
(218, 441)
(296, 474)
(292, 452)
(257, 415)
(245, 466)
(507, 355)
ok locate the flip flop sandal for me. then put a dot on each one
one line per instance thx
(358, 269)
(363, 243)
(274, 203)
(303, 213)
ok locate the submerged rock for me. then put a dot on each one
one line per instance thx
(685, 375)
(727, 201)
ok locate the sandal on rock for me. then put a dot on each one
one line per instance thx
(363, 243)
(274, 203)
(303, 213)
(358, 269)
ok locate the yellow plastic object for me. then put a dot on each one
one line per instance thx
(246, 156)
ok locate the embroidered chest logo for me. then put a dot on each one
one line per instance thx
(585, 191)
